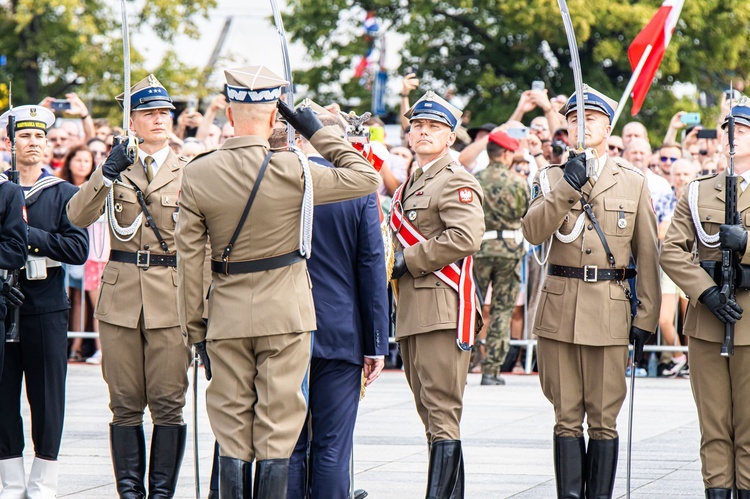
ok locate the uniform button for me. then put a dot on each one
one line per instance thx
(571, 201)
(708, 217)
(590, 227)
(148, 203)
(36, 250)
(145, 246)
(437, 284)
(147, 224)
(29, 246)
(121, 196)
(620, 206)
(588, 251)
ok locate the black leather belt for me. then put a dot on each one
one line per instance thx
(274, 262)
(143, 259)
(590, 273)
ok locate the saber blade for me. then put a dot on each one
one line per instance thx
(287, 66)
(126, 64)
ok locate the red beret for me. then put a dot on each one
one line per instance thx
(504, 140)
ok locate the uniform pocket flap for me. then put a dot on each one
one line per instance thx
(125, 195)
(711, 215)
(624, 205)
(169, 199)
(417, 203)
(554, 285)
(109, 275)
(429, 281)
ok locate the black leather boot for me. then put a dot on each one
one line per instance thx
(458, 492)
(235, 478)
(725, 494)
(128, 446)
(271, 477)
(167, 449)
(743, 494)
(601, 465)
(445, 470)
(570, 459)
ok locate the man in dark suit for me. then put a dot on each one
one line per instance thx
(347, 269)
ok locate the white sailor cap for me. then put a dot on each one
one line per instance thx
(433, 107)
(593, 100)
(253, 85)
(29, 117)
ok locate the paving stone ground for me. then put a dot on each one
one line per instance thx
(506, 431)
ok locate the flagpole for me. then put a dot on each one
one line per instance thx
(631, 84)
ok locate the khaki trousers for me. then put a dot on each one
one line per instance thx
(436, 371)
(255, 401)
(720, 388)
(583, 381)
(145, 367)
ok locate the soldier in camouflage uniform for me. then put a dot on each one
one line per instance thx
(506, 197)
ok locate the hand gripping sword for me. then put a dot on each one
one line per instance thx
(575, 62)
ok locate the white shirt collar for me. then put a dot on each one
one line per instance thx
(602, 160)
(160, 157)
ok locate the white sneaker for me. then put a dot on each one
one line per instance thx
(13, 478)
(679, 364)
(95, 359)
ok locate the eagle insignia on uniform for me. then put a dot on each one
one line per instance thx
(32, 112)
(118, 207)
(535, 191)
(465, 195)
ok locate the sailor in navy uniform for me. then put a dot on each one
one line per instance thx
(41, 355)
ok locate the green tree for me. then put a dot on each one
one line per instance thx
(53, 46)
(491, 50)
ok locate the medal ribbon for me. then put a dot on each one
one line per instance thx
(458, 278)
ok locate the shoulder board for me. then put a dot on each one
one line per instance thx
(454, 166)
(552, 166)
(706, 177)
(201, 155)
(623, 163)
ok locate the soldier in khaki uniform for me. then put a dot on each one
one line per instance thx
(260, 309)
(584, 317)
(719, 383)
(506, 197)
(438, 224)
(145, 356)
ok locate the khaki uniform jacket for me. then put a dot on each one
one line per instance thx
(215, 190)
(678, 262)
(596, 313)
(153, 291)
(453, 228)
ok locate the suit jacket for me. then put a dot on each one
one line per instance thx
(678, 262)
(215, 190)
(453, 226)
(347, 269)
(126, 290)
(596, 313)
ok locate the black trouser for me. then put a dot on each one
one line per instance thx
(40, 356)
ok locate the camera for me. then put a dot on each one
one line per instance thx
(60, 105)
(518, 132)
(707, 134)
(558, 147)
(691, 118)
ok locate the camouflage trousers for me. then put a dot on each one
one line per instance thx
(505, 276)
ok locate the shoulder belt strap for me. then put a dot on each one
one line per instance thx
(261, 172)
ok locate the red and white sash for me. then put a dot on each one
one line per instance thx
(458, 278)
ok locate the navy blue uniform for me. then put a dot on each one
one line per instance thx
(41, 355)
(13, 241)
(347, 269)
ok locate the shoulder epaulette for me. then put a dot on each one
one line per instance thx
(705, 177)
(202, 154)
(623, 163)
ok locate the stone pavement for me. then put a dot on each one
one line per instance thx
(507, 435)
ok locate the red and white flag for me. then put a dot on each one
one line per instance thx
(657, 33)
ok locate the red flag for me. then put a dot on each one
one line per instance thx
(657, 33)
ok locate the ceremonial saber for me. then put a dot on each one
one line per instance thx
(132, 143)
(575, 62)
(633, 367)
(287, 67)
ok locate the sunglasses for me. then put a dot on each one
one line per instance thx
(539, 127)
(615, 148)
(668, 159)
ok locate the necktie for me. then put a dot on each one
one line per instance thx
(415, 176)
(149, 168)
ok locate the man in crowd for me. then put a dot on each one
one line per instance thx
(615, 146)
(506, 196)
(669, 152)
(257, 341)
(638, 152)
(438, 223)
(581, 361)
(145, 357)
(40, 357)
(633, 130)
(351, 310)
(718, 382)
